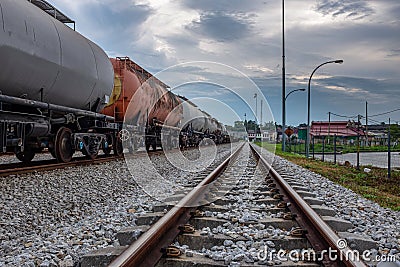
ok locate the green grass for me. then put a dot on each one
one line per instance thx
(318, 148)
(374, 185)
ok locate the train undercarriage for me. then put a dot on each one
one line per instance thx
(28, 127)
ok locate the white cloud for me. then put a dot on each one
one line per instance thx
(258, 68)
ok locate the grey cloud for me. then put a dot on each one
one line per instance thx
(225, 5)
(382, 89)
(221, 26)
(353, 9)
(395, 11)
(394, 53)
(374, 39)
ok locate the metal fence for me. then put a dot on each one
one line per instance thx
(355, 151)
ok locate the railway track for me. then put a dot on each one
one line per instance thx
(16, 168)
(241, 214)
(47, 165)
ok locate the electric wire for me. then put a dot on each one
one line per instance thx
(384, 113)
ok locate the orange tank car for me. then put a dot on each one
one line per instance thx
(128, 78)
(120, 97)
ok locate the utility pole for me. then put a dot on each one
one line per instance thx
(389, 154)
(329, 126)
(255, 120)
(366, 121)
(245, 122)
(358, 141)
(261, 122)
(283, 78)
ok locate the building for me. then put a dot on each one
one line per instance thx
(338, 128)
(238, 135)
(264, 135)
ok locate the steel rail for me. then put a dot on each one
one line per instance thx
(50, 165)
(147, 250)
(312, 220)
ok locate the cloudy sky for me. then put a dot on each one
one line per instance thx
(246, 38)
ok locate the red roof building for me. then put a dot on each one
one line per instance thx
(338, 128)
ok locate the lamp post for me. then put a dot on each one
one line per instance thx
(284, 118)
(255, 121)
(283, 76)
(339, 61)
(291, 92)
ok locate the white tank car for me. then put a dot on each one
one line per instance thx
(43, 59)
(192, 116)
(214, 125)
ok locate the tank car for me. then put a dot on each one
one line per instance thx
(53, 83)
(152, 115)
(144, 104)
(198, 125)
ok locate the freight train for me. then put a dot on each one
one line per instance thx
(60, 91)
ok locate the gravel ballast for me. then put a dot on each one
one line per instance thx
(370, 219)
(53, 218)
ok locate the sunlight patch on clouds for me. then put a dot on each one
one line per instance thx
(343, 89)
(359, 93)
(303, 79)
(166, 21)
(155, 4)
(258, 68)
(163, 47)
(163, 24)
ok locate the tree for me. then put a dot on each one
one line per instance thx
(268, 126)
(394, 132)
(251, 125)
(239, 125)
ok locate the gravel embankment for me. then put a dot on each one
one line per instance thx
(53, 218)
(11, 158)
(381, 224)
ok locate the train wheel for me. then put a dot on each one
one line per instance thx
(52, 152)
(93, 149)
(107, 144)
(118, 146)
(63, 145)
(119, 149)
(25, 156)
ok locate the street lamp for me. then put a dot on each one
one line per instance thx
(339, 61)
(301, 89)
(284, 118)
(255, 121)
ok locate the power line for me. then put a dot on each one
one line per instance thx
(369, 117)
(384, 113)
(344, 116)
(380, 122)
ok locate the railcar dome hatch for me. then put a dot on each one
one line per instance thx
(52, 11)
